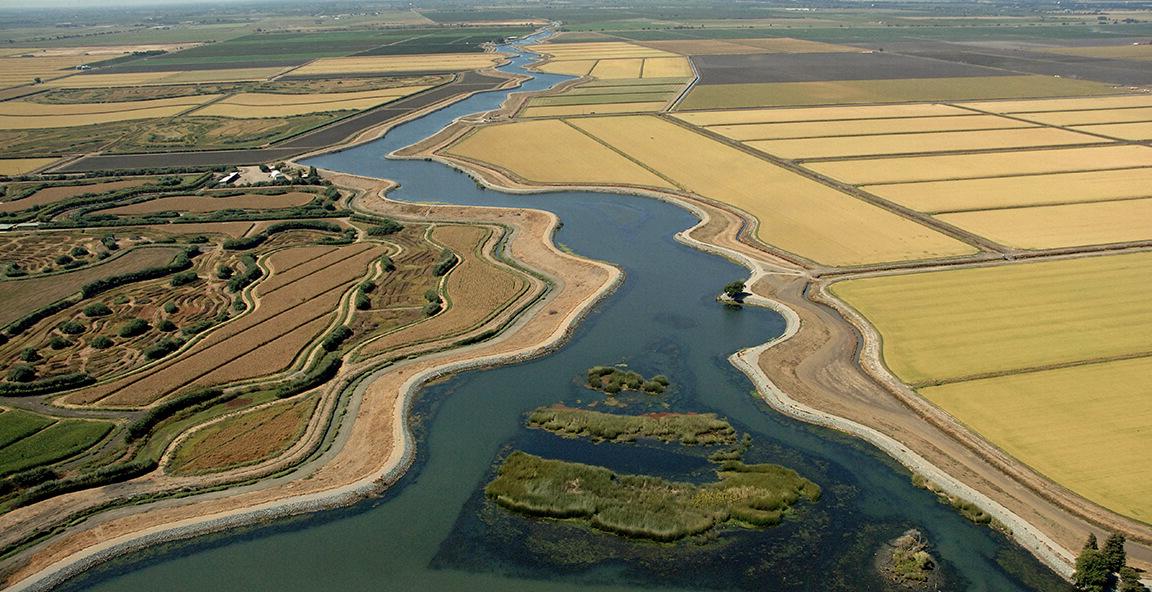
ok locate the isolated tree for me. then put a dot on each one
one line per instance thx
(734, 289)
(1113, 552)
(1092, 573)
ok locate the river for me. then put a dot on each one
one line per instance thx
(434, 530)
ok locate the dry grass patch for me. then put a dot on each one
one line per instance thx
(788, 115)
(873, 171)
(666, 68)
(20, 166)
(207, 203)
(797, 215)
(17, 70)
(1068, 225)
(1030, 190)
(50, 195)
(244, 439)
(612, 69)
(551, 152)
(443, 62)
(779, 94)
(837, 147)
(862, 127)
(1085, 427)
(946, 325)
(598, 50)
(593, 109)
(29, 115)
(1141, 52)
(164, 78)
(282, 105)
(569, 67)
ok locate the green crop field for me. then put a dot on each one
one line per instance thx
(62, 440)
(16, 424)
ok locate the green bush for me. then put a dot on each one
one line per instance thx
(58, 342)
(133, 328)
(385, 227)
(336, 338)
(197, 328)
(183, 278)
(246, 243)
(21, 373)
(445, 264)
(363, 302)
(97, 309)
(431, 308)
(101, 342)
(79, 251)
(29, 354)
(163, 348)
(64, 260)
(166, 326)
(48, 385)
(171, 308)
(225, 272)
(72, 328)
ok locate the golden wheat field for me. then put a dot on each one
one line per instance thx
(12, 122)
(551, 151)
(800, 114)
(873, 171)
(1085, 427)
(1068, 225)
(1089, 117)
(1029, 190)
(1083, 103)
(839, 147)
(794, 213)
(666, 68)
(862, 127)
(1125, 131)
(446, 62)
(30, 109)
(622, 68)
(19, 166)
(593, 109)
(947, 325)
(598, 50)
(16, 70)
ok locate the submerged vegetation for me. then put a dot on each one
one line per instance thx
(612, 380)
(686, 428)
(646, 507)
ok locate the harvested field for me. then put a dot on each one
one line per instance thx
(595, 109)
(1031, 190)
(57, 121)
(948, 325)
(637, 97)
(50, 195)
(281, 105)
(640, 85)
(1068, 225)
(1093, 116)
(598, 50)
(398, 298)
(570, 67)
(477, 290)
(244, 439)
(19, 298)
(837, 147)
(19, 71)
(872, 171)
(207, 203)
(862, 127)
(799, 215)
(1141, 52)
(552, 152)
(783, 94)
(1085, 427)
(163, 78)
(63, 439)
(888, 112)
(1085, 104)
(231, 229)
(296, 304)
(745, 46)
(20, 166)
(444, 62)
(1125, 131)
(666, 68)
(611, 69)
(818, 67)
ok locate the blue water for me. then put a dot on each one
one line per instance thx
(435, 531)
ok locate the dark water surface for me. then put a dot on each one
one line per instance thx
(434, 530)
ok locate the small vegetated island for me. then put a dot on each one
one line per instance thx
(612, 380)
(646, 506)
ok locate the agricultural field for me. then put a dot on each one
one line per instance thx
(117, 80)
(935, 197)
(208, 202)
(742, 132)
(1060, 395)
(608, 96)
(1141, 52)
(20, 166)
(363, 65)
(281, 105)
(697, 47)
(542, 152)
(23, 196)
(20, 297)
(1056, 226)
(58, 441)
(820, 114)
(920, 143)
(612, 60)
(831, 92)
(17, 70)
(1135, 132)
(800, 216)
(243, 439)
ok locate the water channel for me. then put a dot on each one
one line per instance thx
(435, 531)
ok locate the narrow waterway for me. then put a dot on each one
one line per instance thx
(435, 531)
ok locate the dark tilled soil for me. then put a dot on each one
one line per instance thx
(814, 67)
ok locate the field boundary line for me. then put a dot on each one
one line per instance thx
(1031, 369)
(626, 156)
